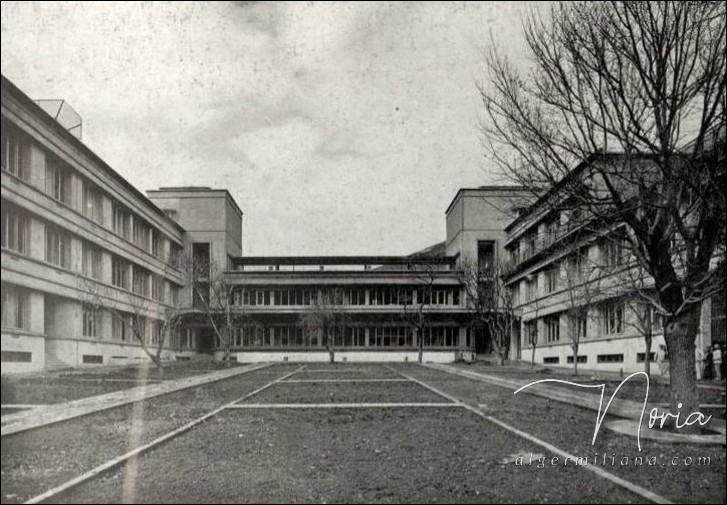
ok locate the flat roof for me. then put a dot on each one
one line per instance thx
(9, 87)
(196, 189)
(503, 189)
(340, 260)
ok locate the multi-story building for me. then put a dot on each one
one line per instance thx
(76, 236)
(570, 279)
(87, 260)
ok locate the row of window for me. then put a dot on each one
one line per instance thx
(353, 336)
(124, 274)
(601, 358)
(16, 148)
(611, 319)
(124, 327)
(378, 295)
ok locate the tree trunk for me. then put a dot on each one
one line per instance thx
(647, 360)
(680, 333)
(575, 360)
(420, 341)
(227, 355)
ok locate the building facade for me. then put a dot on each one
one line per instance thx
(573, 279)
(91, 268)
(82, 250)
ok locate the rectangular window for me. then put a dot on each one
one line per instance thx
(92, 359)
(92, 260)
(553, 360)
(92, 204)
(581, 359)
(485, 255)
(140, 281)
(15, 229)
(121, 221)
(15, 307)
(157, 288)
(612, 252)
(57, 180)
(141, 234)
(120, 272)
(16, 357)
(614, 319)
(531, 332)
(641, 357)
(551, 279)
(552, 328)
(57, 246)
(579, 323)
(90, 322)
(610, 358)
(15, 152)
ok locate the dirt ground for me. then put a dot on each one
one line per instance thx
(64, 386)
(427, 454)
(633, 389)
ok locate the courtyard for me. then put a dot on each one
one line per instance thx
(323, 432)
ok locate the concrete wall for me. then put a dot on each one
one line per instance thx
(23, 342)
(629, 347)
(481, 215)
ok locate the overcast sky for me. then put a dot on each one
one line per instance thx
(339, 128)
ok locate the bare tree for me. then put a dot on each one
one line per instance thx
(643, 78)
(583, 289)
(213, 295)
(490, 304)
(325, 314)
(416, 311)
(132, 313)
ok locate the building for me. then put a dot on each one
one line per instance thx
(72, 226)
(570, 278)
(91, 267)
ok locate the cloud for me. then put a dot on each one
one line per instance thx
(340, 128)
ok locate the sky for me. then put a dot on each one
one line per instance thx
(339, 128)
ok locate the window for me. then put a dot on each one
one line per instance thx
(531, 332)
(121, 221)
(157, 288)
(57, 246)
(641, 357)
(92, 359)
(581, 359)
(141, 234)
(121, 328)
(533, 287)
(90, 322)
(485, 255)
(92, 204)
(15, 152)
(552, 328)
(577, 264)
(92, 260)
(441, 336)
(16, 357)
(157, 247)
(57, 180)
(551, 279)
(15, 307)
(391, 336)
(612, 252)
(579, 324)
(119, 272)
(140, 281)
(614, 318)
(157, 333)
(552, 228)
(15, 229)
(610, 358)
(553, 360)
